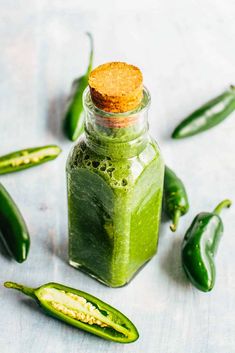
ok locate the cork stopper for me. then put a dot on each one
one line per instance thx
(116, 87)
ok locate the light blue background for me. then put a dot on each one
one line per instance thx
(186, 52)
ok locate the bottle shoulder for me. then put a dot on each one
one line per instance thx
(121, 172)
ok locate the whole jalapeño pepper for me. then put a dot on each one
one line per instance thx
(13, 229)
(81, 310)
(175, 199)
(74, 115)
(208, 116)
(200, 246)
(27, 158)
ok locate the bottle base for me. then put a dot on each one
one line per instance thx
(88, 272)
(108, 284)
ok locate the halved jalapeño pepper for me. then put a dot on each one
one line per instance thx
(81, 310)
(27, 158)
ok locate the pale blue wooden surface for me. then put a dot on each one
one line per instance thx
(186, 51)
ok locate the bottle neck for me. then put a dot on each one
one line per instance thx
(117, 135)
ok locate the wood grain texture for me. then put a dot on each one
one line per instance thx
(186, 52)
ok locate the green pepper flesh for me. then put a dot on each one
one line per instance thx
(27, 158)
(81, 310)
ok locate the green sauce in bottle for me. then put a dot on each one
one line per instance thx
(115, 183)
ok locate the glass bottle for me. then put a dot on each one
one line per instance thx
(115, 184)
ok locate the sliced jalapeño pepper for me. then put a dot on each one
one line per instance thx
(81, 310)
(27, 158)
(13, 229)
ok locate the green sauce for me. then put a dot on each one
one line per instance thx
(114, 211)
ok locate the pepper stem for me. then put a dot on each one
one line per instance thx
(90, 64)
(221, 205)
(26, 290)
(175, 220)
